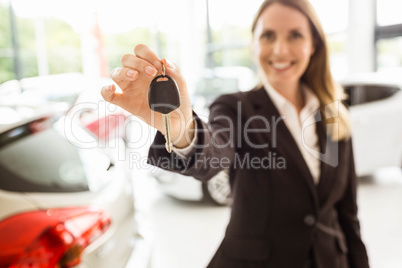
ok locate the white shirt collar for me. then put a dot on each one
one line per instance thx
(312, 103)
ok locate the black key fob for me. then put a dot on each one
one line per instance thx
(163, 95)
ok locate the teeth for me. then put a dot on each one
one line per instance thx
(281, 65)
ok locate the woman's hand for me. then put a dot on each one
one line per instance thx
(134, 78)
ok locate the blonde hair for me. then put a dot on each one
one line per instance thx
(317, 75)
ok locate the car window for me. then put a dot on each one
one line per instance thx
(359, 94)
(38, 158)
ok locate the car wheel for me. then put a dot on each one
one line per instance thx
(217, 189)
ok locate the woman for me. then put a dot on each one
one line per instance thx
(286, 144)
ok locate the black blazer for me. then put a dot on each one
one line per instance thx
(279, 216)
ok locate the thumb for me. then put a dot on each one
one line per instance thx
(109, 94)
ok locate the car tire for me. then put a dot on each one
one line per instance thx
(217, 189)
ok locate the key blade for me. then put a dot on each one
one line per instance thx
(167, 125)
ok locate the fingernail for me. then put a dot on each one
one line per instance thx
(109, 88)
(131, 73)
(151, 71)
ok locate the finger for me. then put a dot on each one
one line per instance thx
(123, 74)
(172, 70)
(140, 65)
(108, 94)
(145, 53)
(170, 67)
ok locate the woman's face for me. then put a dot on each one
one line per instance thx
(283, 44)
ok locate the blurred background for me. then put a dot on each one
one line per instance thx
(56, 54)
(52, 37)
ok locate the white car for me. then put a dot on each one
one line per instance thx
(375, 105)
(63, 205)
(376, 112)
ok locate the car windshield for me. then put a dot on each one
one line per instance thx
(361, 93)
(37, 157)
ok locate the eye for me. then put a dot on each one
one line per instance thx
(295, 35)
(268, 35)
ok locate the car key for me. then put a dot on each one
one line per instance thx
(164, 97)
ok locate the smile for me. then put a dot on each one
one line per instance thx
(281, 66)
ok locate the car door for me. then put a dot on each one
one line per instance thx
(375, 112)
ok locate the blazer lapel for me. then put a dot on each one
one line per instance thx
(285, 143)
(329, 159)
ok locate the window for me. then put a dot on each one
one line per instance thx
(389, 35)
(38, 158)
(231, 32)
(337, 43)
(389, 54)
(334, 18)
(389, 12)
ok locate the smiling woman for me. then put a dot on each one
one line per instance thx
(301, 214)
(290, 46)
(283, 44)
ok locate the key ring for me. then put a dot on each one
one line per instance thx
(163, 68)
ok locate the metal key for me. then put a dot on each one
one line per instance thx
(164, 97)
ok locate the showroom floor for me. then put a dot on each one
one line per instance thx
(188, 233)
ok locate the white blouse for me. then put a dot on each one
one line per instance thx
(301, 126)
